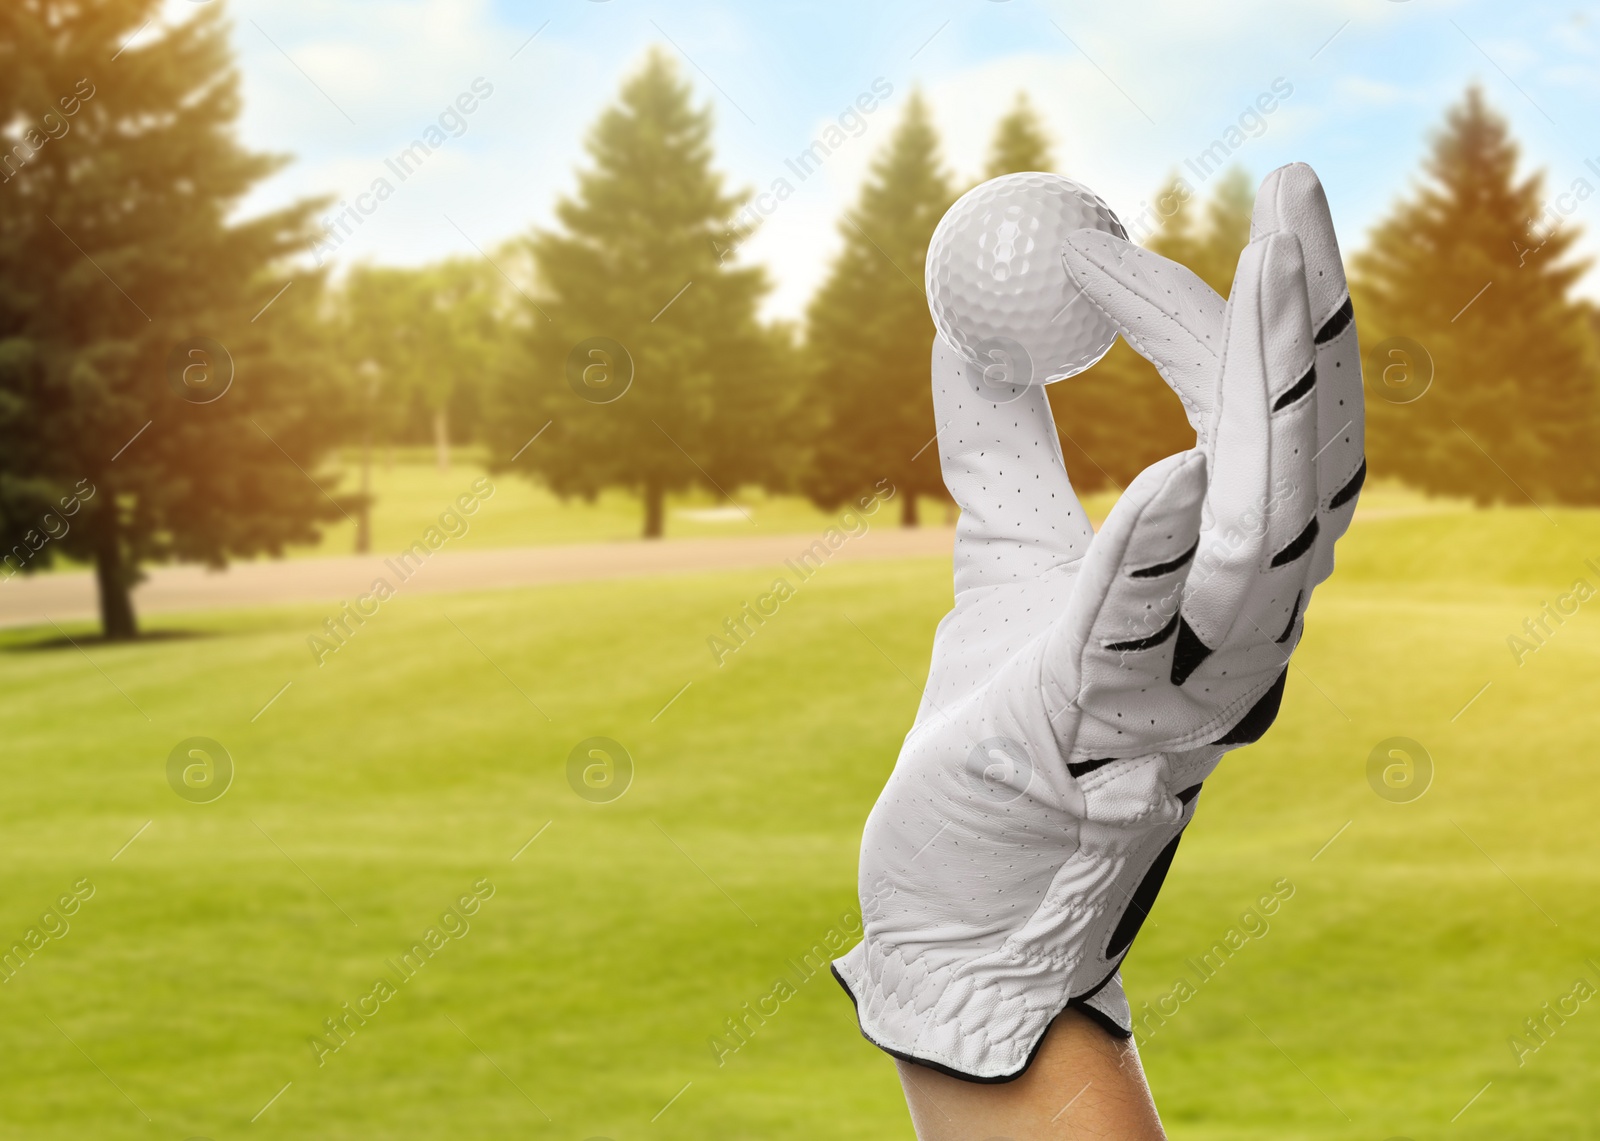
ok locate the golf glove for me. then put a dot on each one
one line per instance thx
(1085, 684)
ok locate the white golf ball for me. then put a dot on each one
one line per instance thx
(997, 288)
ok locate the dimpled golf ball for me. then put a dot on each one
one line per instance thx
(997, 288)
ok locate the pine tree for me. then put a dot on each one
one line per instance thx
(1472, 268)
(869, 333)
(1219, 242)
(684, 372)
(122, 440)
(1172, 226)
(1209, 243)
(1020, 142)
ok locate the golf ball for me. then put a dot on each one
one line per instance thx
(997, 288)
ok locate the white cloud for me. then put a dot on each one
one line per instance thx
(1359, 111)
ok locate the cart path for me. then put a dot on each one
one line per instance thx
(39, 599)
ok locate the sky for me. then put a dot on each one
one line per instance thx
(1129, 90)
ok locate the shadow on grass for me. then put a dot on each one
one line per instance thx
(29, 640)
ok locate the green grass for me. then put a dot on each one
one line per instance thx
(411, 765)
(410, 491)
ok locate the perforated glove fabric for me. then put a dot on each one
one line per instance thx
(1084, 685)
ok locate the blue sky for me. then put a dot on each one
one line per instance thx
(1129, 90)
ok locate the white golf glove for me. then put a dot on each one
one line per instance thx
(1085, 684)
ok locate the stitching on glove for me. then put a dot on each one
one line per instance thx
(1349, 491)
(1337, 323)
(1300, 387)
(1063, 961)
(1294, 616)
(1298, 546)
(1201, 737)
(1168, 567)
(1137, 344)
(1079, 768)
(1142, 900)
(1109, 773)
(1104, 773)
(1204, 736)
(1263, 713)
(1147, 643)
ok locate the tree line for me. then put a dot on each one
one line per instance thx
(158, 374)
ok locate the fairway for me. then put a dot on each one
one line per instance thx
(576, 991)
(408, 488)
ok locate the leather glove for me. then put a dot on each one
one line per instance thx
(1085, 684)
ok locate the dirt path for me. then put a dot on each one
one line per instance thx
(37, 599)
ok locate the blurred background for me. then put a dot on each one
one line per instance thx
(472, 548)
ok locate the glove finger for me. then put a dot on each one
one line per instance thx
(1292, 200)
(1170, 317)
(1248, 582)
(1111, 652)
(1001, 459)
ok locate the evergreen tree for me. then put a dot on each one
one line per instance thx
(1178, 231)
(1218, 244)
(636, 262)
(1020, 142)
(1471, 267)
(121, 439)
(869, 333)
(1209, 243)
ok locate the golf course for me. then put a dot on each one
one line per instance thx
(408, 916)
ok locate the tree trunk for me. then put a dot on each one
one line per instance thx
(908, 510)
(364, 520)
(364, 512)
(441, 437)
(654, 509)
(112, 575)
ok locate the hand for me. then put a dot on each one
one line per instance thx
(1085, 684)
